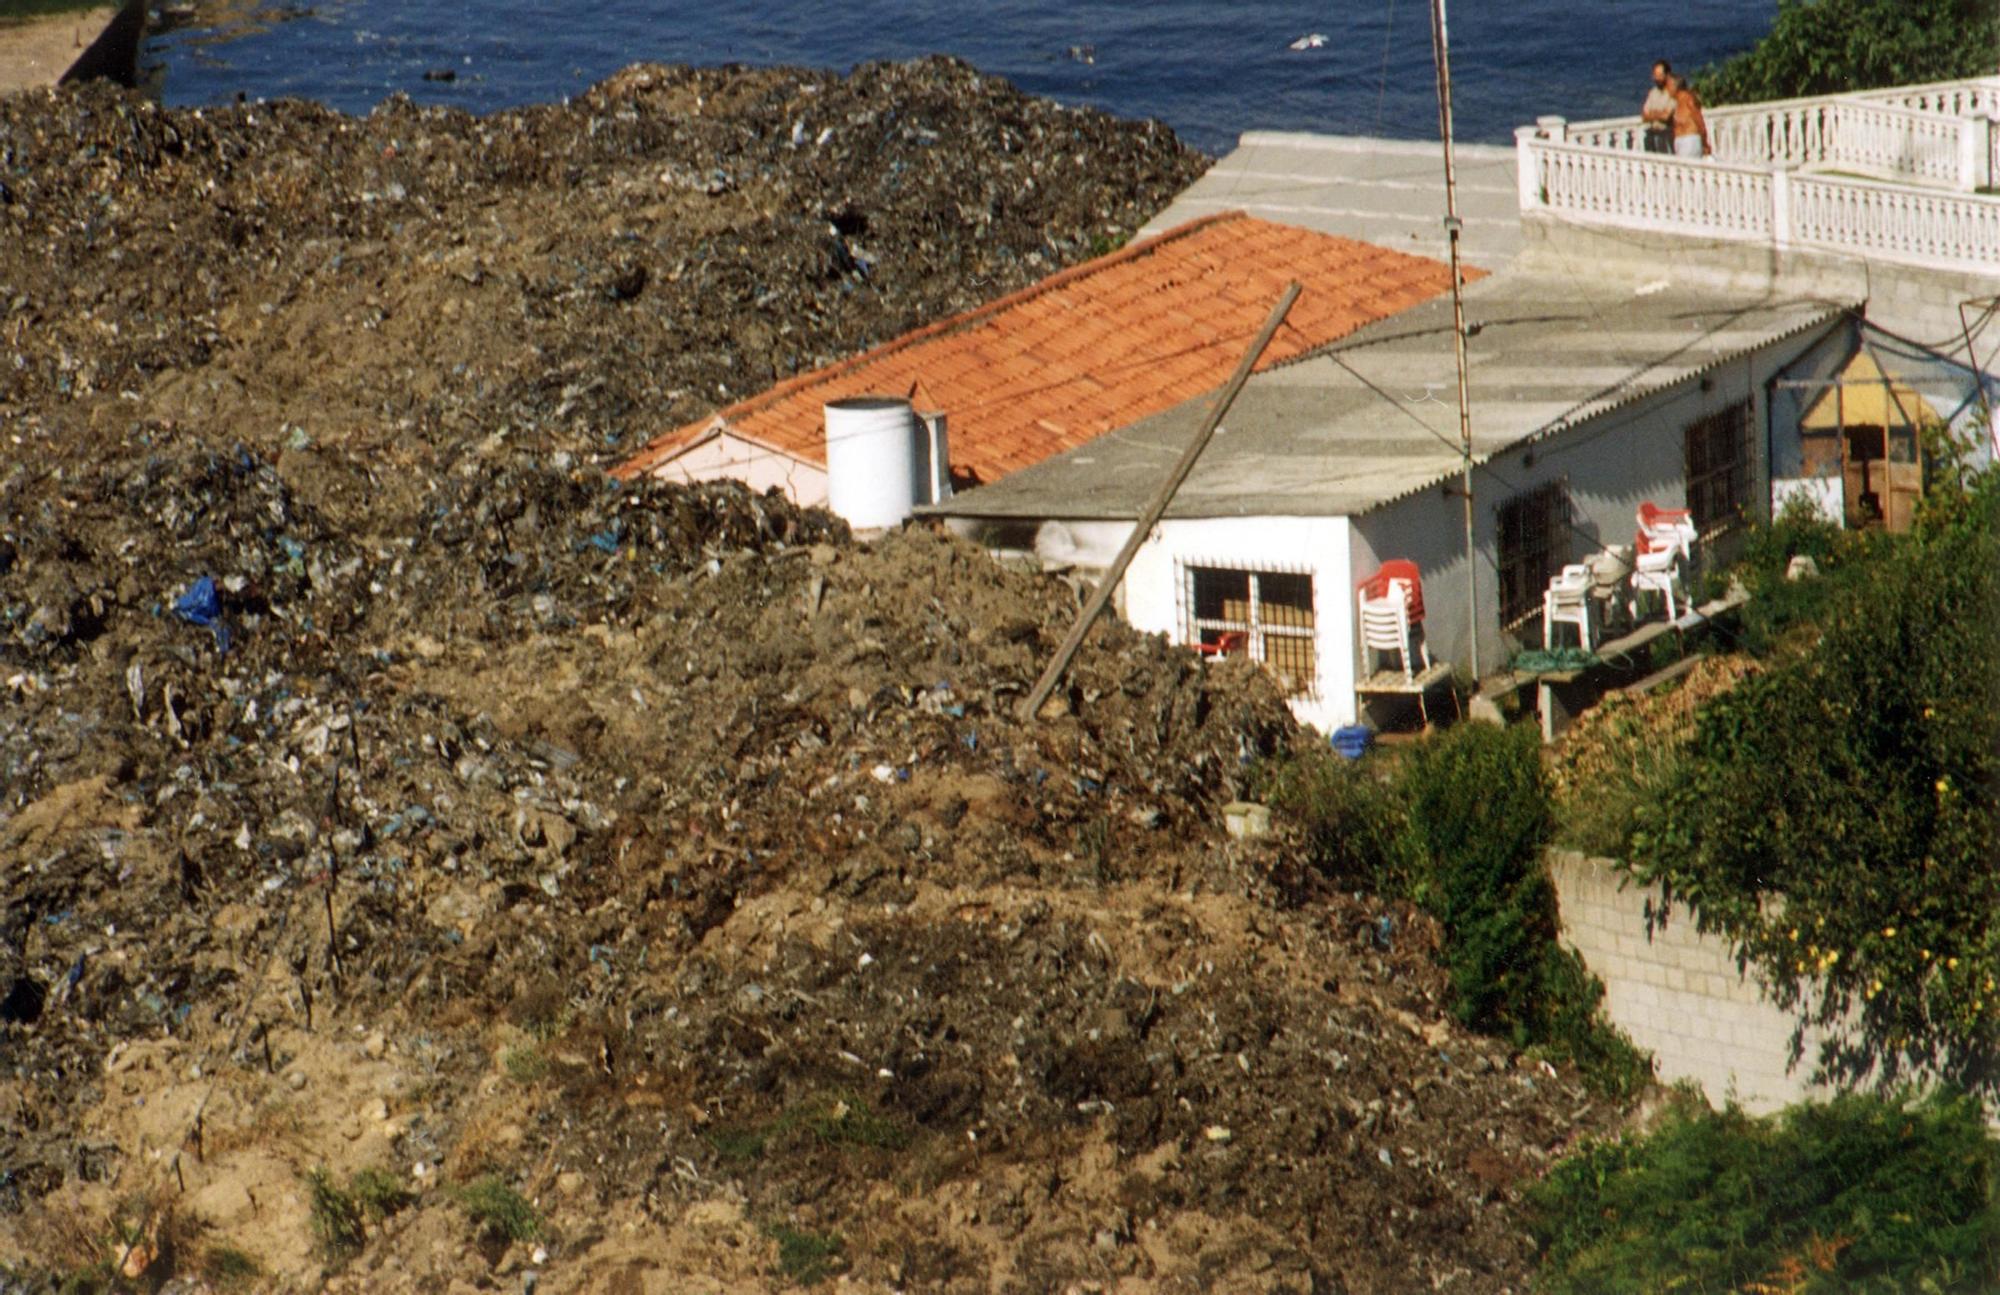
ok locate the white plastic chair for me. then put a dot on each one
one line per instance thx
(1658, 571)
(1567, 601)
(1385, 627)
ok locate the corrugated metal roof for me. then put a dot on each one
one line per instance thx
(1374, 418)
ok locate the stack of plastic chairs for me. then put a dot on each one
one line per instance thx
(1567, 600)
(1390, 604)
(1665, 536)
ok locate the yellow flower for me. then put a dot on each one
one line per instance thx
(1888, 932)
(1951, 964)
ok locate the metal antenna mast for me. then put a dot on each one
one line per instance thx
(1441, 55)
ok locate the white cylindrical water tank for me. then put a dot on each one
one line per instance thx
(873, 465)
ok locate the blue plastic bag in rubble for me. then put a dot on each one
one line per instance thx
(201, 605)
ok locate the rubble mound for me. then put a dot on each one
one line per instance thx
(634, 882)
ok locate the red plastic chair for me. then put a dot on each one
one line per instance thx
(1377, 586)
(1228, 643)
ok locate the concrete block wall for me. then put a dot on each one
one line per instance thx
(1677, 993)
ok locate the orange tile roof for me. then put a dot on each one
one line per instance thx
(1094, 347)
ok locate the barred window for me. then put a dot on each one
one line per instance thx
(1718, 468)
(1266, 615)
(1533, 545)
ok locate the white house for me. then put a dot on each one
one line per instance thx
(1586, 400)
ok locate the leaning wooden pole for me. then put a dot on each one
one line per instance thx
(1031, 705)
(1441, 54)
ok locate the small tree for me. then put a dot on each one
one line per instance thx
(1830, 46)
(1838, 816)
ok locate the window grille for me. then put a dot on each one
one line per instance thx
(1265, 614)
(1533, 545)
(1718, 468)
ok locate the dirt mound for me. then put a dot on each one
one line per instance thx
(572, 278)
(633, 882)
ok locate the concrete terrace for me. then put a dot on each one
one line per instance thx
(1388, 192)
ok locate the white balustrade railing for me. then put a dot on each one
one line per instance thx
(1920, 226)
(1977, 97)
(1900, 143)
(1918, 157)
(1875, 137)
(1652, 191)
(1800, 132)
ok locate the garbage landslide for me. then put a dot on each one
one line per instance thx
(432, 865)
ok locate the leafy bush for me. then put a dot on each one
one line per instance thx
(1829, 46)
(499, 1210)
(1857, 1194)
(1838, 816)
(1459, 830)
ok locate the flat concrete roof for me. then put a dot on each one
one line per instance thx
(1374, 417)
(1389, 192)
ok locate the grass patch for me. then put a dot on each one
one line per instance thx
(524, 1065)
(739, 1145)
(807, 1257)
(229, 1268)
(1861, 1193)
(379, 1192)
(341, 1214)
(338, 1222)
(498, 1210)
(844, 1119)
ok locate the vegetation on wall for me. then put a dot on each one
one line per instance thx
(1838, 815)
(1862, 1193)
(1829, 46)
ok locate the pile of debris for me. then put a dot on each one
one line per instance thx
(630, 881)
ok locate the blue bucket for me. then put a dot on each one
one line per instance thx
(1352, 741)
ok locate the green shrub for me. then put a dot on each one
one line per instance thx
(1356, 830)
(379, 1192)
(1459, 830)
(1857, 1194)
(1832, 46)
(806, 1257)
(1838, 816)
(337, 1218)
(498, 1210)
(1479, 818)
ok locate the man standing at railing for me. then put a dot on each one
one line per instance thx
(1658, 110)
(1690, 126)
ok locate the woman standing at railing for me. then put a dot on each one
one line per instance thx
(1690, 126)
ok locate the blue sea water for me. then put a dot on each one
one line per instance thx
(1210, 70)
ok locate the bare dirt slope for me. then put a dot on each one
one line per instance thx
(650, 887)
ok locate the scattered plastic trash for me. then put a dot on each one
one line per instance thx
(201, 604)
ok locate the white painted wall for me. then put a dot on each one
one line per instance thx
(1612, 464)
(1317, 545)
(728, 458)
